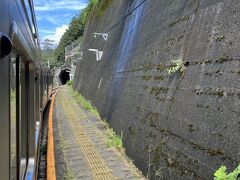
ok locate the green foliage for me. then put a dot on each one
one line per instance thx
(48, 55)
(69, 83)
(13, 94)
(85, 103)
(105, 123)
(114, 140)
(75, 30)
(93, 3)
(221, 174)
(68, 174)
(177, 66)
(103, 7)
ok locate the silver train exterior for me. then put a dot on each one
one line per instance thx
(25, 89)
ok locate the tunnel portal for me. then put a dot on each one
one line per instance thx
(64, 76)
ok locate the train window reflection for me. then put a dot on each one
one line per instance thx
(29, 13)
(23, 117)
(13, 121)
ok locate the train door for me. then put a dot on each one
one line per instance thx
(19, 90)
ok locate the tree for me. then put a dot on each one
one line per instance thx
(48, 54)
(47, 44)
(75, 30)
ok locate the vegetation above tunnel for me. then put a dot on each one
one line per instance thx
(73, 33)
(75, 30)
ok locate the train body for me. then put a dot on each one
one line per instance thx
(26, 86)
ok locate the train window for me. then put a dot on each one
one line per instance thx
(13, 117)
(46, 83)
(37, 92)
(23, 116)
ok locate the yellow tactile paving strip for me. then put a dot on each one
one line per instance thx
(98, 168)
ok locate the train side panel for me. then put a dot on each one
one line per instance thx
(24, 91)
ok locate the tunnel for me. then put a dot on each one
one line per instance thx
(64, 76)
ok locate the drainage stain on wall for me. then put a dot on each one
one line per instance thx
(127, 42)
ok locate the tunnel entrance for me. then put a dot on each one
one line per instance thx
(64, 76)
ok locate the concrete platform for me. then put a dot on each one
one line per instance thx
(80, 144)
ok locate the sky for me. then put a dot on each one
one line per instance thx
(53, 16)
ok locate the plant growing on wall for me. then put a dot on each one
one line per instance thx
(221, 174)
(69, 83)
(176, 66)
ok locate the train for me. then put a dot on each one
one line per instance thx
(26, 87)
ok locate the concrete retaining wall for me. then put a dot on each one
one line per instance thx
(188, 126)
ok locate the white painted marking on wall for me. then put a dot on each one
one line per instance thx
(104, 35)
(100, 82)
(98, 54)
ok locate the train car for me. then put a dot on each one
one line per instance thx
(24, 91)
